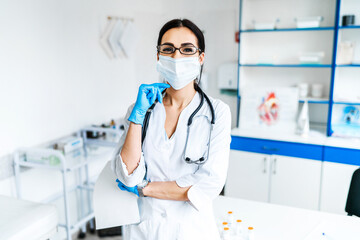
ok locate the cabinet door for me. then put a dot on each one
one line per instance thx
(295, 182)
(336, 180)
(248, 176)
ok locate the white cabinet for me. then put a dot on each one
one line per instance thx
(271, 178)
(295, 182)
(248, 176)
(336, 180)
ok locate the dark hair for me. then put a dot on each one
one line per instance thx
(176, 23)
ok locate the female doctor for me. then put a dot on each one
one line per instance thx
(181, 165)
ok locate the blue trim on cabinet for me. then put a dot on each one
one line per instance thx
(342, 155)
(300, 150)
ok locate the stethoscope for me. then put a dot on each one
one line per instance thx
(187, 159)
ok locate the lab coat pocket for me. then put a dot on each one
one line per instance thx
(140, 231)
(197, 225)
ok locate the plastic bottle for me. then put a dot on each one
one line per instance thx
(230, 218)
(251, 234)
(238, 228)
(226, 234)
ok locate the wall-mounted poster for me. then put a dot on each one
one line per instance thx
(271, 109)
(346, 120)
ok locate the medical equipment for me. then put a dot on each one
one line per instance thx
(69, 144)
(20, 219)
(72, 166)
(202, 159)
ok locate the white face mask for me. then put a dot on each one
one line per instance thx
(178, 72)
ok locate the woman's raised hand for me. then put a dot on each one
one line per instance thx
(147, 95)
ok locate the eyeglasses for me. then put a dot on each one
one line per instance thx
(185, 50)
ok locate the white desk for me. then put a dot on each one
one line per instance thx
(276, 222)
(21, 219)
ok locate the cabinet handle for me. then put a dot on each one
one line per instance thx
(269, 149)
(274, 166)
(265, 165)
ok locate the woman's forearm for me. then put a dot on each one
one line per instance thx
(131, 150)
(166, 190)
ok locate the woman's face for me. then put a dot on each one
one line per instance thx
(178, 37)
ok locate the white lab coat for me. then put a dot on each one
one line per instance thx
(167, 219)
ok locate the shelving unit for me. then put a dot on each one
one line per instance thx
(332, 26)
(312, 100)
(340, 5)
(288, 29)
(288, 65)
(349, 27)
(74, 170)
(348, 65)
(347, 103)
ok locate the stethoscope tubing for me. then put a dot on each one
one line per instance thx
(203, 95)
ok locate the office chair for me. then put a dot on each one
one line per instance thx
(353, 200)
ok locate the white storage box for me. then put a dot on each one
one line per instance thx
(265, 25)
(308, 22)
(311, 57)
(70, 144)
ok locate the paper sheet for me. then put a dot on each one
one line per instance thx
(113, 207)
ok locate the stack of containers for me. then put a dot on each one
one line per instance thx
(234, 229)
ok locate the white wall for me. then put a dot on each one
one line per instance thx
(55, 78)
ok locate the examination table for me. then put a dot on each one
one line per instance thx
(20, 219)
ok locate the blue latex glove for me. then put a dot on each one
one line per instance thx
(147, 95)
(126, 188)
